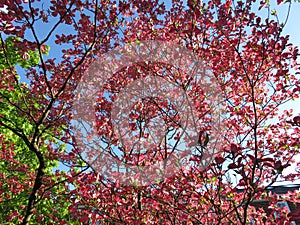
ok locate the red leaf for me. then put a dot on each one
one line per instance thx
(232, 166)
(279, 2)
(277, 165)
(296, 119)
(234, 148)
(219, 159)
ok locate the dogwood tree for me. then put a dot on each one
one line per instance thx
(54, 173)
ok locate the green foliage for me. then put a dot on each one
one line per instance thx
(18, 168)
(11, 56)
